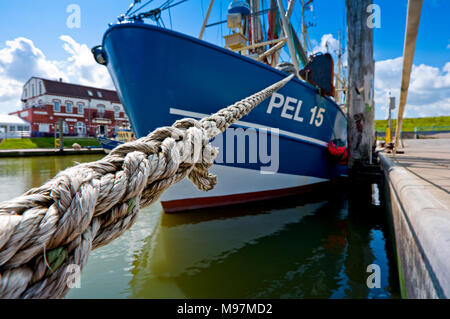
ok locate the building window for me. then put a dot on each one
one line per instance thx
(69, 107)
(65, 128)
(40, 88)
(99, 94)
(56, 106)
(116, 111)
(90, 93)
(80, 128)
(12, 128)
(25, 94)
(80, 108)
(32, 90)
(101, 110)
(44, 128)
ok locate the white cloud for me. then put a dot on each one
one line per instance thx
(327, 44)
(428, 93)
(20, 59)
(82, 67)
(429, 89)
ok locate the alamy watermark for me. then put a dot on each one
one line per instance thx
(74, 19)
(249, 146)
(374, 19)
(374, 280)
(73, 273)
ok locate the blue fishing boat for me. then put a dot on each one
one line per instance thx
(107, 143)
(293, 142)
(122, 136)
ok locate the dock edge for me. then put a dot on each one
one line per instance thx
(421, 225)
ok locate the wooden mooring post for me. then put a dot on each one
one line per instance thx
(363, 171)
(360, 101)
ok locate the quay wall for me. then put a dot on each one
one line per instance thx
(49, 152)
(421, 225)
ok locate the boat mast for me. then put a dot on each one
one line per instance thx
(303, 25)
(287, 31)
(338, 75)
(290, 8)
(206, 19)
(255, 25)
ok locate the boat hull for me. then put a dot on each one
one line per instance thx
(162, 76)
(108, 144)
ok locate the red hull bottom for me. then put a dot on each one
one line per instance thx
(183, 205)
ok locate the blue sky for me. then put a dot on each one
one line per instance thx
(37, 30)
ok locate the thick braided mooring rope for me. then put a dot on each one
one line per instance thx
(54, 226)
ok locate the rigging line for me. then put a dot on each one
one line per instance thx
(141, 7)
(248, 16)
(170, 17)
(173, 5)
(166, 4)
(263, 2)
(155, 14)
(203, 12)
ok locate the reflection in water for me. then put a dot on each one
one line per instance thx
(309, 250)
(304, 248)
(19, 174)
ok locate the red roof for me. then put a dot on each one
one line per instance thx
(79, 91)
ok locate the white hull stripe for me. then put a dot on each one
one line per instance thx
(252, 125)
(249, 181)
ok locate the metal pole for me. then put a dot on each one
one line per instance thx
(206, 19)
(290, 8)
(409, 46)
(61, 136)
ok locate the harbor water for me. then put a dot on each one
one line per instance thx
(314, 246)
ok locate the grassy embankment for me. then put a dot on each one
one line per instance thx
(426, 123)
(44, 142)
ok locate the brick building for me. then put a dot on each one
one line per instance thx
(85, 111)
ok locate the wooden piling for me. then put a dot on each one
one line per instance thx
(360, 101)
